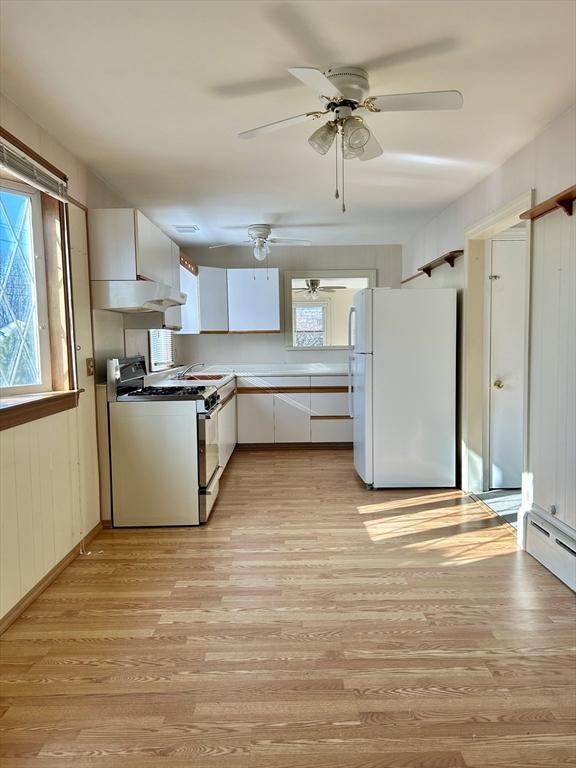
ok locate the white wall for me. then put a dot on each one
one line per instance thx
(49, 471)
(271, 347)
(547, 164)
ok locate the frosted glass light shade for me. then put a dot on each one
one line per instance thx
(261, 249)
(323, 138)
(355, 136)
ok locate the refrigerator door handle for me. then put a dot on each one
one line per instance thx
(350, 379)
(350, 362)
(350, 315)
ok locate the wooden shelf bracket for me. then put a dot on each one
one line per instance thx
(447, 258)
(563, 200)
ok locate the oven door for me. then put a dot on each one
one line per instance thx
(207, 447)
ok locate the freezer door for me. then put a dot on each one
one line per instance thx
(361, 400)
(362, 321)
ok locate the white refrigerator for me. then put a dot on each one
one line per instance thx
(402, 387)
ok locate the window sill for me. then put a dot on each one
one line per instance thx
(20, 409)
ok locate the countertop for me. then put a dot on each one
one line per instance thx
(168, 378)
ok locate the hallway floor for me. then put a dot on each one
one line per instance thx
(311, 624)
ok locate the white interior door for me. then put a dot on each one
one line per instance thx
(507, 261)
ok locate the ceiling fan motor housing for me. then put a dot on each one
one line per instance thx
(259, 231)
(352, 82)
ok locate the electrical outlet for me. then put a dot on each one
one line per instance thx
(90, 366)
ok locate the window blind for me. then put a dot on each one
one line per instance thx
(26, 170)
(161, 349)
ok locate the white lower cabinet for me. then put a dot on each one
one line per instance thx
(227, 432)
(292, 417)
(273, 410)
(329, 417)
(255, 418)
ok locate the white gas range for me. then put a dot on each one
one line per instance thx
(163, 448)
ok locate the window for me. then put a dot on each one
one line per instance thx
(24, 335)
(309, 324)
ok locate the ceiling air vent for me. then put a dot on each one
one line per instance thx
(186, 229)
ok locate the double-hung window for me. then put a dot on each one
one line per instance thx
(24, 334)
(24, 331)
(309, 324)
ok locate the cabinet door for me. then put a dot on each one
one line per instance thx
(255, 418)
(253, 299)
(112, 244)
(173, 315)
(213, 299)
(292, 417)
(190, 311)
(153, 251)
(227, 431)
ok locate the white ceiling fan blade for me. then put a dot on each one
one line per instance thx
(269, 127)
(405, 102)
(316, 80)
(372, 149)
(228, 245)
(288, 241)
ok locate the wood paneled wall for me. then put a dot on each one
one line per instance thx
(49, 496)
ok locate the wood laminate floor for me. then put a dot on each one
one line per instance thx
(310, 624)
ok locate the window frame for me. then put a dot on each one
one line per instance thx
(326, 330)
(41, 288)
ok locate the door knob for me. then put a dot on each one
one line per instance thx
(498, 384)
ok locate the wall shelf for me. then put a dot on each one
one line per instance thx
(446, 258)
(563, 200)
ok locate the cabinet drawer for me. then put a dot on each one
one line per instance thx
(329, 404)
(331, 430)
(272, 382)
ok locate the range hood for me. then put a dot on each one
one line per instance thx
(134, 296)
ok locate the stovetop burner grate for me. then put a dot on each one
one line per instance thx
(168, 391)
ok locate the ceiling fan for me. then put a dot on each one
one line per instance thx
(313, 287)
(260, 240)
(343, 91)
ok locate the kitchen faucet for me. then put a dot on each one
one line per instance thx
(183, 373)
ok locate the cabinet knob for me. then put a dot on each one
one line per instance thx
(498, 384)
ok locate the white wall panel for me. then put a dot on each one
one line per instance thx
(547, 163)
(552, 424)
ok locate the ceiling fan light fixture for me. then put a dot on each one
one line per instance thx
(355, 134)
(261, 249)
(323, 138)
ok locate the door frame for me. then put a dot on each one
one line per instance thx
(520, 235)
(474, 439)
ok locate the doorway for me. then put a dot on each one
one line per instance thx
(506, 262)
(494, 393)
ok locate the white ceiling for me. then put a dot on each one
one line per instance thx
(136, 89)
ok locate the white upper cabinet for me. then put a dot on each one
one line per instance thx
(253, 300)
(206, 308)
(173, 315)
(212, 299)
(125, 245)
(190, 313)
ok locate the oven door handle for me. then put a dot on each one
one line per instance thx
(206, 416)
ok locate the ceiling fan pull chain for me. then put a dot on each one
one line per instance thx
(337, 193)
(343, 186)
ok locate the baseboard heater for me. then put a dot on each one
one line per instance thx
(554, 548)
